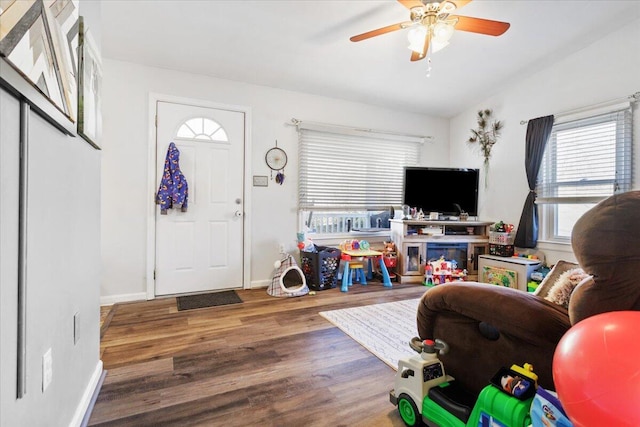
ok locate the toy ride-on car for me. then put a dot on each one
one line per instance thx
(425, 394)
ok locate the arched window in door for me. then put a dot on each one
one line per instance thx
(202, 128)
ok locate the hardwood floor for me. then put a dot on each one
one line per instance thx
(266, 362)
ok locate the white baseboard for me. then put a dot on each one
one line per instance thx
(112, 299)
(142, 296)
(86, 402)
(257, 284)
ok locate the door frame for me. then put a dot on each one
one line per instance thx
(152, 185)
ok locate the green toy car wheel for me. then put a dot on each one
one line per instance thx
(409, 411)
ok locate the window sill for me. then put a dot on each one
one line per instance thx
(555, 251)
(336, 239)
(554, 243)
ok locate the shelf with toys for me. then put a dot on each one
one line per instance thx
(421, 241)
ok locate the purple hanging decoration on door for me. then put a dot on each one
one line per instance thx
(174, 190)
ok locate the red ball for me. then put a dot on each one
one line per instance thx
(596, 370)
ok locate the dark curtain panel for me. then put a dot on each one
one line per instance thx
(538, 132)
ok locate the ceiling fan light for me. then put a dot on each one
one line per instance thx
(442, 31)
(416, 47)
(416, 36)
(437, 45)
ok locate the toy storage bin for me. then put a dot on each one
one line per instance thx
(321, 268)
(501, 250)
(500, 243)
(500, 238)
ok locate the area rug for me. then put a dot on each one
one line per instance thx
(383, 329)
(213, 299)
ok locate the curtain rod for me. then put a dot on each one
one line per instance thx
(297, 123)
(631, 98)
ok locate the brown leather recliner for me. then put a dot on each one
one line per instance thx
(488, 326)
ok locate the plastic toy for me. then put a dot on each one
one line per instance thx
(501, 227)
(425, 394)
(547, 411)
(389, 248)
(390, 258)
(515, 385)
(441, 271)
(428, 275)
(596, 370)
(354, 245)
(304, 243)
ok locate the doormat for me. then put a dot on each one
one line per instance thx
(213, 299)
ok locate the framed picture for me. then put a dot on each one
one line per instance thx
(500, 276)
(89, 88)
(39, 40)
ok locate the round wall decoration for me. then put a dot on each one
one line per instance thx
(276, 159)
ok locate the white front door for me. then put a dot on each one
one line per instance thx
(201, 249)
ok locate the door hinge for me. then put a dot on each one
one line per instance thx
(156, 120)
(154, 275)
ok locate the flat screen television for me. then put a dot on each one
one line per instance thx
(447, 191)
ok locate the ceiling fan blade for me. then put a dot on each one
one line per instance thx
(379, 31)
(481, 26)
(415, 56)
(410, 3)
(459, 3)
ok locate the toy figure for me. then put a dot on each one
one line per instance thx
(389, 247)
(516, 386)
(428, 275)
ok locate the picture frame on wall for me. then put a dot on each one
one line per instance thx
(38, 45)
(89, 88)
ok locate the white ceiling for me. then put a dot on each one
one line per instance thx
(304, 45)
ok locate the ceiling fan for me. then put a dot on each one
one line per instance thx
(432, 23)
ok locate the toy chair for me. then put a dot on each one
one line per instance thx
(352, 267)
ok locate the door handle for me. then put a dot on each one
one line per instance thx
(238, 214)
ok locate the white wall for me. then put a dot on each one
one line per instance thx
(273, 216)
(63, 267)
(606, 70)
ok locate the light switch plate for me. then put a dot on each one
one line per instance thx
(47, 369)
(76, 327)
(260, 181)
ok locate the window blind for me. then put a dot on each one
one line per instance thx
(588, 159)
(349, 171)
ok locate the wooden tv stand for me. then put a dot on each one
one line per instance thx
(418, 241)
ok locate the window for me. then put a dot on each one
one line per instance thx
(585, 161)
(203, 129)
(346, 177)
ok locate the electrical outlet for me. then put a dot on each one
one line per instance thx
(76, 327)
(47, 370)
(281, 248)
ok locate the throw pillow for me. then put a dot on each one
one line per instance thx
(561, 290)
(560, 267)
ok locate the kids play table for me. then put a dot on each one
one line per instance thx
(368, 254)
